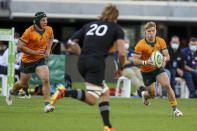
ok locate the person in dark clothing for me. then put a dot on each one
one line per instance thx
(190, 59)
(97, 37)
(176, 65)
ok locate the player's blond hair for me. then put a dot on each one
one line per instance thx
(110, 13)
(149, 25)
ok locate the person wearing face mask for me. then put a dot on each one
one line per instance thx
(190, 59)
(176, 65)
(130, 70)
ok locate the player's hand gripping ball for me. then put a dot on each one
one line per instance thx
(157, 59)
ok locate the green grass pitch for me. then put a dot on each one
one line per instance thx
(72, 115)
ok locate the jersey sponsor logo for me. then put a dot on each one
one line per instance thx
(98, 30)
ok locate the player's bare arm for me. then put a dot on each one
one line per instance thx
(75, 46)
(49, 44)
(121, 58)
(166, 57)
(22, 47)
(122, 52)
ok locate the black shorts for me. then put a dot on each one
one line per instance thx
(150, 77)
(31, 67)
(92, 70)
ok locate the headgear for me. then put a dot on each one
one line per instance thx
(38, 16)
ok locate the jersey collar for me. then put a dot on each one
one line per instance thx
(151, 44)
(40, 32)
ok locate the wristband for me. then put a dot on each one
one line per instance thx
(144, 62)
(71, 42)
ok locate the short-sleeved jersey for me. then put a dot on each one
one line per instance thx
(98, 37)
(145, 48)
(190, 60)
(35, 40)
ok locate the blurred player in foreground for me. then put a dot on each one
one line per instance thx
(97, 38)
(35, 43)
(143, 50)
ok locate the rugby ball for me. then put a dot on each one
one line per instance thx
(157, 59)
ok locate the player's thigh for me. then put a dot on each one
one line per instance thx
(95, 77)
(163, 79)
(43, 73)
(81, 64)
(94, 70)
(148, 78)
(151, 89)
(25, 78)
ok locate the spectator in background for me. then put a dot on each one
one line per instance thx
(190, 58)
(4, 59)
(3, 47)
(18, 56)
(130, 70)
(176, 65)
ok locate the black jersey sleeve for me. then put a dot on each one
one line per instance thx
(119, 33)
(79, 34)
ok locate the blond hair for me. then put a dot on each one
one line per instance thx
(149, 25)
(110, 13)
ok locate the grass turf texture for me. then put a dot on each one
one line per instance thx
(72, 115)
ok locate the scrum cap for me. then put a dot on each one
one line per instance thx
(38, 16)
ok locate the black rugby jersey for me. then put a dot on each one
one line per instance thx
(98, 37)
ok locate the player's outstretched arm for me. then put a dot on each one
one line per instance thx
(121, 53)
